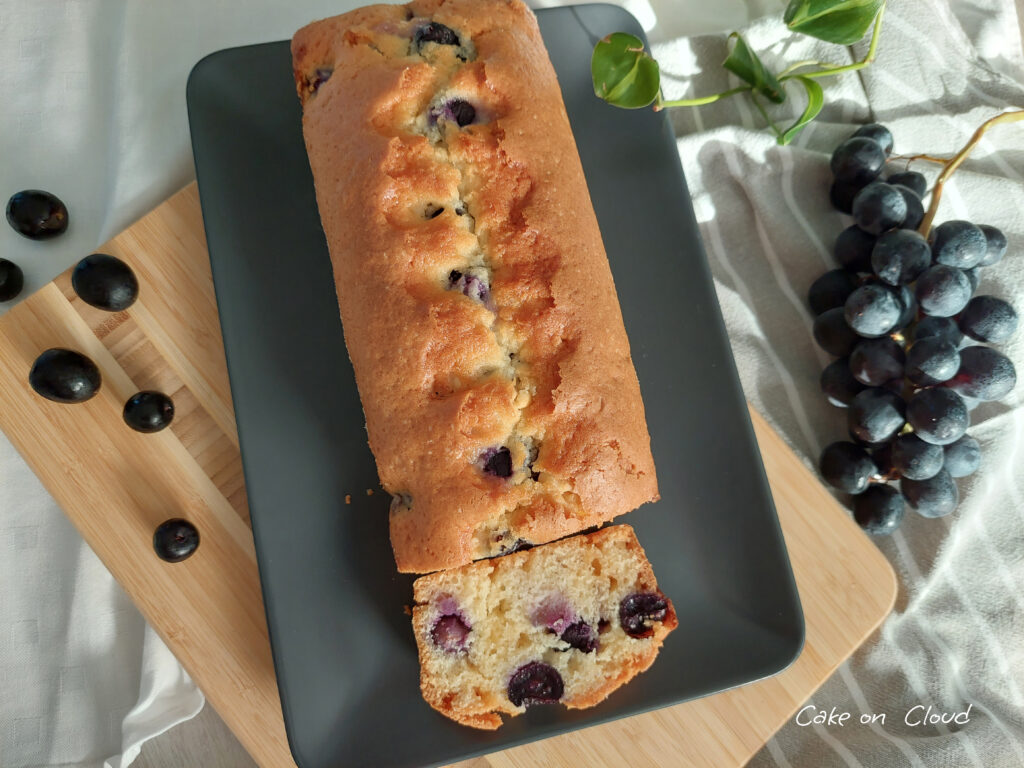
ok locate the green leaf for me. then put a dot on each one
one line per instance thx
(843, 22)
(744, 63)
(624, 73)
(815, 101)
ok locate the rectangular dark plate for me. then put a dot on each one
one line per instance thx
(343, 646)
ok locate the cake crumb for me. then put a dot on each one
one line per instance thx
(407, 609)
(369, 491)
(348, 498)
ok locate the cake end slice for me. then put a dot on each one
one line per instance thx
(567, 622)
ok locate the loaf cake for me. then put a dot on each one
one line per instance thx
(566, 622)
(477, 301)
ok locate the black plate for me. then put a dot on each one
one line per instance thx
(343, 646)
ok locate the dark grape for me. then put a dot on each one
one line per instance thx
(876, 414)
(833, 334)
(838, 384)
(958, 244)
(458, 111)
(915, 459)
(831, 289)
(877, 133)
(105, 282)
(857, 160)
(876, 361)
(988, 319)
(908, 303)
(942, 291)
(637, 611)
(938, 416)
(935, 497)
(900, 256)
(497, 462)
(841, 194)
(847, 467)
(433, 32)
(872, 310)
(175, 540)
(931, 361)
(36, 214)
(451, 634)
(878, 207)
(882, 456)
(879, 510)
(963, 457)
(941, 327)
(912, 180)
(580, 636)
(148, 411)
(995, 242)
(64, 376)
(12, 280)
(853, 249)
(973, 277)
(984, 374)
(869, 445)
(320, 76)
(915, 208)
(535, 683)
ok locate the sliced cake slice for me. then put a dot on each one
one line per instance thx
(567, 622)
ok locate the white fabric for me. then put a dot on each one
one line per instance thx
(954, 639)
(92, 108)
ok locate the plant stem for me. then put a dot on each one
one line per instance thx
(660, 104)
(807, 63)
(764, 114)
(957, 160)
(829, 71)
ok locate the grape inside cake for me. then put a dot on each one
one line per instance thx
(478, 305)
(567, 622)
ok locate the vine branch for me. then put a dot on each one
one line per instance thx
(958, 159)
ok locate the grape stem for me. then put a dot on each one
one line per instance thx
(954, 163)
(927, 158)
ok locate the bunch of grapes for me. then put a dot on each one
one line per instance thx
(901, 318)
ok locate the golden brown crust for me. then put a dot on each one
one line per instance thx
(444, 378)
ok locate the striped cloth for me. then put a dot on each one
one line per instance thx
(955, 637)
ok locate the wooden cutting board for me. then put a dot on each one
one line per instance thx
(117, 485)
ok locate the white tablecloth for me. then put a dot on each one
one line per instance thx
(92, 108)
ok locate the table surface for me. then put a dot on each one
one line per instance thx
(169, 340)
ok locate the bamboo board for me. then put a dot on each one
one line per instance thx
(116, 486)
